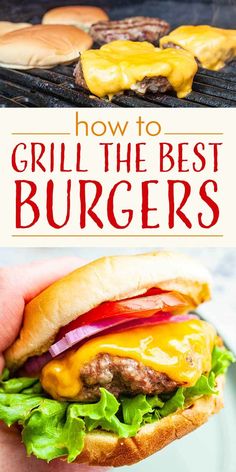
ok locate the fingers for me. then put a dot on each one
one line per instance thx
(13, 457)
(11, 310)
(62, 466)
(19, 284)
(34, 277)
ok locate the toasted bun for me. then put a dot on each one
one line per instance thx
(106, 449)
(7, 26)
(82, 16)
(108, 278)
(42, 46)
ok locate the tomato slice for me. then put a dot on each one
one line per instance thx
(140, 307)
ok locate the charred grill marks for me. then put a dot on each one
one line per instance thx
(138, 28)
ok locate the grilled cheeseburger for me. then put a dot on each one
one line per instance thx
(213, 47)
(115, 366)
(139, 66)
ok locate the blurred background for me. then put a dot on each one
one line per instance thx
(220, 13)
(212, 447)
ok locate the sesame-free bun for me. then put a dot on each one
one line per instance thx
(80, 16)
(106, 449)
(42, 46)
(109, 278)
(7, 26)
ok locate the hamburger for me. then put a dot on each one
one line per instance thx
(139, 66)
(136, 28)
(212, 47)
(42, 46)
(80, 16)
(111, 365)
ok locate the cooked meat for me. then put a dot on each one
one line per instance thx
(153, 85)
(171, 45)
(137, 28)
(79, 76)
(148, 84)
(121, 376)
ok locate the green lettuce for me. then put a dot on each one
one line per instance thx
(52, 429)
(221, 360)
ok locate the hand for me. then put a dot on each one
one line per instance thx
(18, 285)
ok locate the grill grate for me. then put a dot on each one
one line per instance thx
(56, 88)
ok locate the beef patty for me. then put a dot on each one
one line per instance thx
(121, 375)
(139, 28)
(148, 84)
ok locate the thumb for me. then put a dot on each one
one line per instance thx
(19, 284)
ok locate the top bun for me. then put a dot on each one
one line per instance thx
(42, 46)
(7, 26)
(81, 17)
(108, 278)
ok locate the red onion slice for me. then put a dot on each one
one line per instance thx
(35, 364)
(83, 332)
(111, 325)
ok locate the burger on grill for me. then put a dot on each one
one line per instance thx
(138, 28)
(115, 367)
(138, 66)
(212, 47)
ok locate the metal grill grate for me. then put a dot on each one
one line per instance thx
(56, 88)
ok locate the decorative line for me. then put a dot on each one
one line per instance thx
(117, 236)
(44, 134)
(194, 133)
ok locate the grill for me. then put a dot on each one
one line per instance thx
(56, 87)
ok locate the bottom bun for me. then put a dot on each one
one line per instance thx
(106, 449)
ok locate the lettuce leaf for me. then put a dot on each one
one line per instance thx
(16, 385)
(16, 407)
(204, 386)
(173, 404)
(221, 360)
(52, 429)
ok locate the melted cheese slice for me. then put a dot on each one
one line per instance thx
(180, 350)
(119, 65)
(213, 47)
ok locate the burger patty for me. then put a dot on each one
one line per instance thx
(171, 45)
(153, 85)
(121, 375)
(137, 28)
(148, 84)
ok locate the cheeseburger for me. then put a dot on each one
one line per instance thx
(111, 364)
(212, 47)
(138, 66)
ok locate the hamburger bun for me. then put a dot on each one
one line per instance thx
(80, 16)
(106, 449)
(42, 46)
(7, 26)
(106, 279)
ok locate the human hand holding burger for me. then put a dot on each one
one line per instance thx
(110, 364)
(18, 285)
